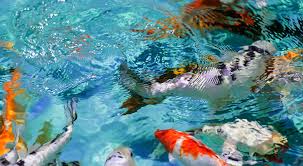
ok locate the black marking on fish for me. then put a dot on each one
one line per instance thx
(220, 80)
(233, 77)
(269, 69)
(33, 152)
(245, 62)
(251, 54)
(64, 129)
(235, 65)
(221, 66)
(75, 163)
(20, 163)
(258, 50)
(4, 161)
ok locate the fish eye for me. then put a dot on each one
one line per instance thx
(131, 154)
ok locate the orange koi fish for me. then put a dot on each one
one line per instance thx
(13, 112)
(215, 14)
(204, 15)
(187, 150)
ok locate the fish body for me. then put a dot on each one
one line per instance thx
(47, 152)
(13, 112)
(186, 150)
(121, 156)
(218, 84)
(259, 140)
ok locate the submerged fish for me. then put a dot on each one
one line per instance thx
(121, 156)
(48, 152)
(13, 113)
(219, 84)
(185, 149)
(259, 140)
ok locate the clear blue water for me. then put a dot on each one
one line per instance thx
(58, 61)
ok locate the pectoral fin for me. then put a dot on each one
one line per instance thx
(172, 159)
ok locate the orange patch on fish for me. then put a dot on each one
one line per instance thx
(247, 19)
(12, 91)
(195, 148)
(202, 3)
(11, 113)
(150, 31)
(290, 55)
(168, 138)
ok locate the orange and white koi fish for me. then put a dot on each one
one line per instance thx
(186, 150)
(13, 112)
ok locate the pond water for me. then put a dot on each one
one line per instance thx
(74, 48)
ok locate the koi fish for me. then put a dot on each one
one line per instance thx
(219, 84)
(218, 14)
(13, 112)
(121, 156)
(48, 152)
(185, 149)
(259, 140)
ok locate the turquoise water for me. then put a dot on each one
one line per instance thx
(68, 49)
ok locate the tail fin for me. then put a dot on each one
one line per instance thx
(133, 104)
(140, 91)
(132, 82)
(70, 109)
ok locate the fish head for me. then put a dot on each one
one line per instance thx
(121, 156)
(168, 138)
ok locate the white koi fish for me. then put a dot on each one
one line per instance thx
(219, 84)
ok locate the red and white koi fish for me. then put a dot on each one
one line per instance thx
(186, 150)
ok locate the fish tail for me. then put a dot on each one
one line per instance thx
(70, 109)
(140, 91)
(130, 80)
(135, 102)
